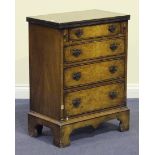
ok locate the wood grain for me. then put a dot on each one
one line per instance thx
(78, 77)
(45, 54)
(63, 131)
(94, 99)
(95, 49)
(92, 73)
(124, 28)
(98, 30)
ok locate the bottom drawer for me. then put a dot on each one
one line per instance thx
(96, 98)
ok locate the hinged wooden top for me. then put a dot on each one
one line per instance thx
(78, 18)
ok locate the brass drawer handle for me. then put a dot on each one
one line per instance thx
(113, 47)
(79, 33)
(76, 102)
(76, 52)
(76, 76)
(112, 28)
(113, 94)
(113, 69)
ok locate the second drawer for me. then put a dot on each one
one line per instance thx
(95, 49)
(95, 72)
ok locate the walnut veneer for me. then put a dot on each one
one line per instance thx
(78, 72)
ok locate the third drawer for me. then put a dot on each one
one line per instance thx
(94, 72)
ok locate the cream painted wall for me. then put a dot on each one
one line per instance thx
(36, 7)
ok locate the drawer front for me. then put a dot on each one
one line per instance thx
(94, 99)
(94, 72)
(94, 31)
(94, 49)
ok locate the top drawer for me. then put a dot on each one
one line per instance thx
(94, 31)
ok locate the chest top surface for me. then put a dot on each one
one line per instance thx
(77, 18)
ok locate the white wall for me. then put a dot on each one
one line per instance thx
(36, 7)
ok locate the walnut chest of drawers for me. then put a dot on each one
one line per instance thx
(78, 72)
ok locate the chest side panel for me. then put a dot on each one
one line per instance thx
(45, 70)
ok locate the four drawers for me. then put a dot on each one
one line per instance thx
(94, 49)
(98, 58)
(94, 31)
(94, 72)
(92, 99)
